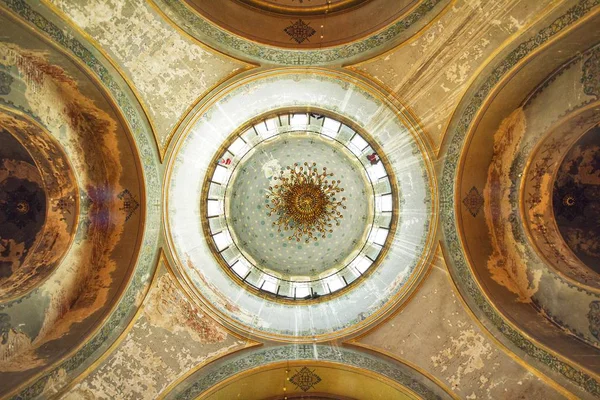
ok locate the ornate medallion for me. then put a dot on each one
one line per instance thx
(594, 318)
(305, 379)
(304, 202)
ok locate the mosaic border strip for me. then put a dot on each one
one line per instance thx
(210, 378)
(449, 173)
(144, 139)
(192, 22)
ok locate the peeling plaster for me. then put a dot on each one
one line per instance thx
(432, 72)
(169, 70)
(171, 337)
(435, 333)
(471, 347)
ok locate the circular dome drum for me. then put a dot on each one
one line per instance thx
(235, 183)
(299, 205)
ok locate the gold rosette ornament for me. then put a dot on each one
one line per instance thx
(304, 202)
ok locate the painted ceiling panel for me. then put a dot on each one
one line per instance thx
(480, 127)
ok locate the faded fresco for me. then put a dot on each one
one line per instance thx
(109, 288)
(85, 211)
(39, 198)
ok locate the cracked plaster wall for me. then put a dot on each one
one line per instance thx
(435, 333)
(430, 73)
(169, 70)
(170, 337)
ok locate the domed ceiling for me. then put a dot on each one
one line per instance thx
(576, 199)
(39, 205)
(229, 185)
(273, 199)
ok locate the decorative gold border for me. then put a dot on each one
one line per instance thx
(460, 166)
(341, 5)
(422, 144)
(314, 363)
(526, 224)
(77, 63)
(51, 138)
(393, 224)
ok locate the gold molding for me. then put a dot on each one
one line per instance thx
(457, 184)
(402, 306)
(249, 342)
(421, 144)
(393, 224)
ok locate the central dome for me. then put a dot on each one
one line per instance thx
(300, 205)
(223, 175)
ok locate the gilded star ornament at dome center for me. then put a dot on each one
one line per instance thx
(304, 202)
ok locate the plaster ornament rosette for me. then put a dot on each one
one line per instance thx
(201, 149)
